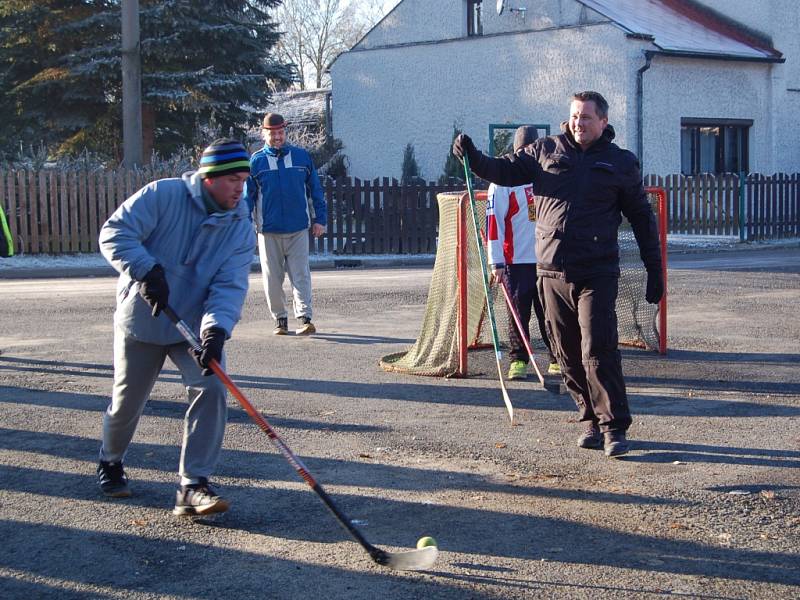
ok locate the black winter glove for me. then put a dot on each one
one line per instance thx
(655, 287)
(154, 289)
(213, 339)
(463, 146)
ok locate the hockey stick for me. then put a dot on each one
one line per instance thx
(484, 271)
(410, 560)
(550, 387)
(553, 388)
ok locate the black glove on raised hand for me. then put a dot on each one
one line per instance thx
(655, 287)
(213, 339)
(463, 146)
(154, 289)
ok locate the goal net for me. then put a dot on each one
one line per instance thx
(456, 319)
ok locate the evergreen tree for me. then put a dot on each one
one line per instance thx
(206, 70)
(30, 45)
(503, 141)
(410, 168)
(453, 168)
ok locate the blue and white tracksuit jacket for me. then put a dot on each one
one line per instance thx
(283, 192)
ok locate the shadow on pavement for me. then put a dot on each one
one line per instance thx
(270, 466)
(444, 391)
(298, 515)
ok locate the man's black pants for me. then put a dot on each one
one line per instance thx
(582, 322)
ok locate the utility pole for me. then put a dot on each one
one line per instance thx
(131, 86)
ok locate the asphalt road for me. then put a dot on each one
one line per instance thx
(707, 504)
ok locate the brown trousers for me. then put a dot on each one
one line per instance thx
(581, 320)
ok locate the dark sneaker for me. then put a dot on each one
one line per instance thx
(281, 326)
(591, 438)
(305, 326)
(112, 479)
(199, 499)
(615, 443)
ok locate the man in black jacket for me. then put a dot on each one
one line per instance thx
(583, 184)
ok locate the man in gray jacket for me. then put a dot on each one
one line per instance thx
(188, 242)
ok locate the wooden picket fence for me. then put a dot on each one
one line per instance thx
(61, 212)
(752, 207)
(381, 217)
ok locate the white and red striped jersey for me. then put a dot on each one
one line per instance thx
(511, 225)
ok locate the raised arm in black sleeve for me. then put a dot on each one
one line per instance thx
(509, 170)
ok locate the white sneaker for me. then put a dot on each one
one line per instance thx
(306, 327)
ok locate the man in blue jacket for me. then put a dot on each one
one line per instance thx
(285, 197)
(188, 242)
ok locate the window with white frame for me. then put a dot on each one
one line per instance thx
(714, 145)
(474, 25)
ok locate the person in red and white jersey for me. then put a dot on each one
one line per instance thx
(511, 241)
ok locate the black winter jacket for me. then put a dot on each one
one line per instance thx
(579, 198)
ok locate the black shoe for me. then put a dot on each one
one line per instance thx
(199, 499)
(615, 443)
(305, 326)
(281, 326)
(112, 479)
(591, 438)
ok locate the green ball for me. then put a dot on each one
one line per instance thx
(426, 541)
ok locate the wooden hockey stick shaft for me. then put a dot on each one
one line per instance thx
(515, 315)
(485, 273)
(421, 558)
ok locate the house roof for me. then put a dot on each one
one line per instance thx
(687, 27)
(304, 109)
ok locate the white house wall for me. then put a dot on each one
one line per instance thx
(539, 15)
(414, 21)
(677, 88)
(384, 99)
(779, 19)
(418, 21)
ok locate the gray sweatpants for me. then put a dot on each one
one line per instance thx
(136, 368)
(282, 253)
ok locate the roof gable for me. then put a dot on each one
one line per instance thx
(686, 27)
(304, 108)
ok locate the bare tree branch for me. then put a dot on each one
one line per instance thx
(317, 31)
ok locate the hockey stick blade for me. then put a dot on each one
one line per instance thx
(409, 560)
(412, 560)
(506, 399)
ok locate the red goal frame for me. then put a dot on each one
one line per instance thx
(461, 270)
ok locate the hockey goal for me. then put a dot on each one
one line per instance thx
(455, 319)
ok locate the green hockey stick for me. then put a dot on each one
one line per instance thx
(485, 272)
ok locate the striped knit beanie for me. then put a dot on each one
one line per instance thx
(223, 157)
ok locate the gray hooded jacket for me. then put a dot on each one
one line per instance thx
(206, 258)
